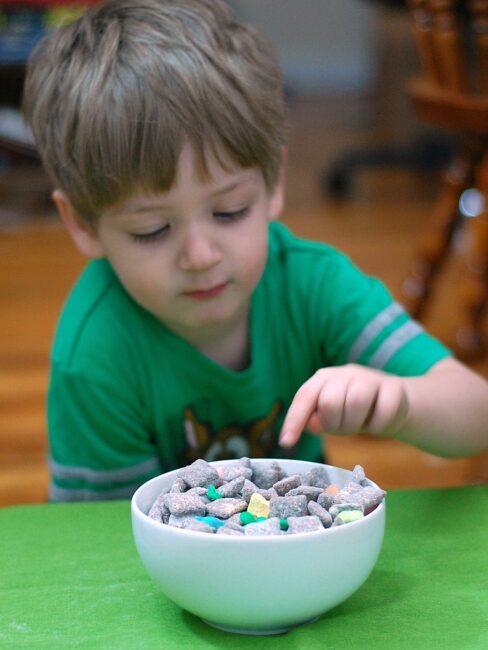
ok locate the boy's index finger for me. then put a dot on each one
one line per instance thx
(303, 405)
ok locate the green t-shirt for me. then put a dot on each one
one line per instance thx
(129, 399)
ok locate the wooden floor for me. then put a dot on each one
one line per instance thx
(378, 226)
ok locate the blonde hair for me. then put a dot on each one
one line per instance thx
(112, 98)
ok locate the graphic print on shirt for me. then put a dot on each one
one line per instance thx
(255, 439)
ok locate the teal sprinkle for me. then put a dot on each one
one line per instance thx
(284, 524)
(212, 493)
(214, 522)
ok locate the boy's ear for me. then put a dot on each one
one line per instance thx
(278, 193)
(82, 233)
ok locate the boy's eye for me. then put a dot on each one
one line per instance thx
(231, 215)
(154, 235)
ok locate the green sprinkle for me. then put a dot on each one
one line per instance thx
(284, 524)
(212, 493)
(261, 519)
(247, 518)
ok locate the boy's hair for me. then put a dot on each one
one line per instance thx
(112, 98)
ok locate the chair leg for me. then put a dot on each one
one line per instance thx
(470, 342)
(417, 286)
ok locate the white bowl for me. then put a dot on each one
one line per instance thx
(254, 584)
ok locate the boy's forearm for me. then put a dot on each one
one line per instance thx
(459, 397)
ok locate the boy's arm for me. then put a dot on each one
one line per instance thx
(444, 411)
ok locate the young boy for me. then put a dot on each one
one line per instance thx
(202, 328)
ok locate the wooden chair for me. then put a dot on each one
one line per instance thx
(452, 93)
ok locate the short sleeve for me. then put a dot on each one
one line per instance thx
(362, 323)
(100, 447)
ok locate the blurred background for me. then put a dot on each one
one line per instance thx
(364, 173)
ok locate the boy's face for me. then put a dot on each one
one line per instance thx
(193, 256)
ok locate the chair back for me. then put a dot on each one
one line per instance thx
(452, 43)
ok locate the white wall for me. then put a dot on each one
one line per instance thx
(323, 45)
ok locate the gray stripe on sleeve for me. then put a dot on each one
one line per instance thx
(97, 476)
(373, 328)
(57, 493)
(393, 343)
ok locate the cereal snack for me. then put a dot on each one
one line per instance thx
(245, 499)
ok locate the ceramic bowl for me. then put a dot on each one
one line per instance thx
(254, 584)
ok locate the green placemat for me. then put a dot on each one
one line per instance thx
(70, 577)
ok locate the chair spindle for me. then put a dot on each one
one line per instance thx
(479, 11)
(422, 31)
(448, 45)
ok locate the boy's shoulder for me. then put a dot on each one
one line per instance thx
(95, 315)
(315, 275)
(300, 258)
(283, 241)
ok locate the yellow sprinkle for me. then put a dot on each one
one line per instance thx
(258, 506)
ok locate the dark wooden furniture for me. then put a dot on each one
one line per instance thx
(452, 93)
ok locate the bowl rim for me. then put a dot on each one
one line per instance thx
(136, 511)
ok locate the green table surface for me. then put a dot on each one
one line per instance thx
(70, 577)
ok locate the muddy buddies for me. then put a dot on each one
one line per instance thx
(251, 499)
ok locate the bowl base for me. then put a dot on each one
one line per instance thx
(259, 632)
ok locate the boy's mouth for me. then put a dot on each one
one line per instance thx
(206, 294)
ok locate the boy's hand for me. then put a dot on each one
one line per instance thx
(344, 400)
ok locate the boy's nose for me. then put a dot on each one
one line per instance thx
(198, 252)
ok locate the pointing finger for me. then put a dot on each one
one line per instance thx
(304, 404)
